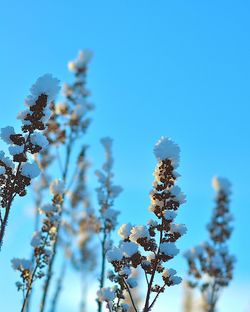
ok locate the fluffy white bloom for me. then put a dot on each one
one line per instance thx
(169, 249)
(21, 116)
(6, 160)
(139, 231)
(47, 208)
(124, 230)
(16, 149)
(6, 133)
(83, 58)
(30, 170)
(57, 187)
(111, 215)
(176, 280)
(39, 139)
(152, 222)
(21, 264)
(178, 228)
(107, 142)
(221, 184)
(165, 148)
(115, 254)
(101, 177)
(194, 252)
(150, 257)
(105, 294)
(170, 215)
(128, 248)
(29, 101)
(115, 190)
(180, 196)
(125, 271)
(169, 273)
(36, 239)
(45, 84)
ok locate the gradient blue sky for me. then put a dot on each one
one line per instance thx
(175, 68)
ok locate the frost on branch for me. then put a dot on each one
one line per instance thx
(17, 171)
(107, 192)
(149, 247)
(210, 264)
(70, 116)
(42, 248)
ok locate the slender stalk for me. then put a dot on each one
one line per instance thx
(58, 286)
(130, 295)
(5, 221)
(146, 306)
(12, 196)
(27, 295)
(102, 267)
(36, 227)
(55, 246)
(158, 293)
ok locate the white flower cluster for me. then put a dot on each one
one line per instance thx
(82, 60)
(221, 184)
(108, 294)
(107, 191)
(210, 264)
(150, 246)
(165, 148)
(42, 244)
(45, 85)
(57, 187)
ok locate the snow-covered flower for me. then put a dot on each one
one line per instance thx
(19, 170)
(170, 215)
(37, 138)
(30, 170)
(137, 232)
(180, 229)
(222, 184)
(57, 187)
(125, 230)
(165, 148)
(128, 248)
(210, 264)
(169, 249)
(42, 246)
(151, 246)
(105, 294)
(6, 133)
(21, 264)
(83, 58)
(45, 84)
(114, 254)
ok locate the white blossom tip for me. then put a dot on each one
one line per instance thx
(46, 84)
(165, 148)
(221, 184)
(83, 58)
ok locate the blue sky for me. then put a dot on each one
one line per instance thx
(175, 68)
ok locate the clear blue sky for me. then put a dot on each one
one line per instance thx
(175, 68)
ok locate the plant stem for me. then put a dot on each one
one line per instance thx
(58, 286)
(146, 306)
(55, 246)
(102, 267)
